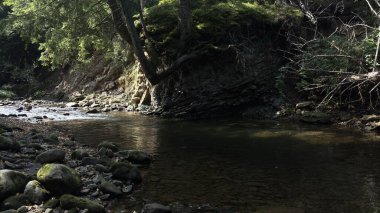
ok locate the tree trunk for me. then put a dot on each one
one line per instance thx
(185, 20)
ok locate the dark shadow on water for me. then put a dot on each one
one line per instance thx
(246, 164)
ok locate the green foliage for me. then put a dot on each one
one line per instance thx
(4, 94)
(65, 31)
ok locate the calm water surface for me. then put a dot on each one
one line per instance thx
(248, 165)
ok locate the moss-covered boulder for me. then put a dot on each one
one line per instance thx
(11, 182)
(69, 202)
(7, 143)
(108, 145)
(59, 179)
(51, 156)
(135, 156)
(35, 192)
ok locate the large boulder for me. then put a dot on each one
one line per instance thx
(7, 143)
(70, 202)
(59, 179)
(11, 182)
(136, 157)
(35, 192)
(51, 156)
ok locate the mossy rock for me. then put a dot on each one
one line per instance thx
(35, 192)
(70, 202)
(52, 203)
(59, 179)
(79, 154)
(11, 182)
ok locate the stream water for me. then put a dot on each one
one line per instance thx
(248, 166)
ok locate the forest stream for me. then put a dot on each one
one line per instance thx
(246, 166)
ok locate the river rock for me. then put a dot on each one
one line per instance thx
(316, 117)
(135, 156)
(91, 161)
(51, 156)
(72, 104)
(108, 145)
(305, 105)
(126, 172)
(93, 111)
(79, 154)
(11, 182)
(7, 143)
(69, 202)
(14, 202)
(156, 208)
(59, 179)
(104, 152)
(52, 203)
(109, 188)
(35, 192)
(51, 139)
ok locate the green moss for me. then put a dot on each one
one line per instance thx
(70, 202)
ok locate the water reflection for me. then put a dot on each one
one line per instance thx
(249, 166)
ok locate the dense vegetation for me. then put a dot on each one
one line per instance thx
(330, 45)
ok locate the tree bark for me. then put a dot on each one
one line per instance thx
(185, 20)
(125, 26)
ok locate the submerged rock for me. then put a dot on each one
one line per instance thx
(59, 179)
(51, 156)
(51, 139)
(108, 145)
(156, 208)
(126, 172)
(136, 157)
(69, 202)
(11, 182)
(35, 192)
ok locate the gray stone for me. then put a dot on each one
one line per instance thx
(109, 188)
(69, 202)
(11, 182)
(35, 192)
(51, 156)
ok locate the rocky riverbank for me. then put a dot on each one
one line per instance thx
(44, 170)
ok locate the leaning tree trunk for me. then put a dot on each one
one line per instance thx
(123, 20)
